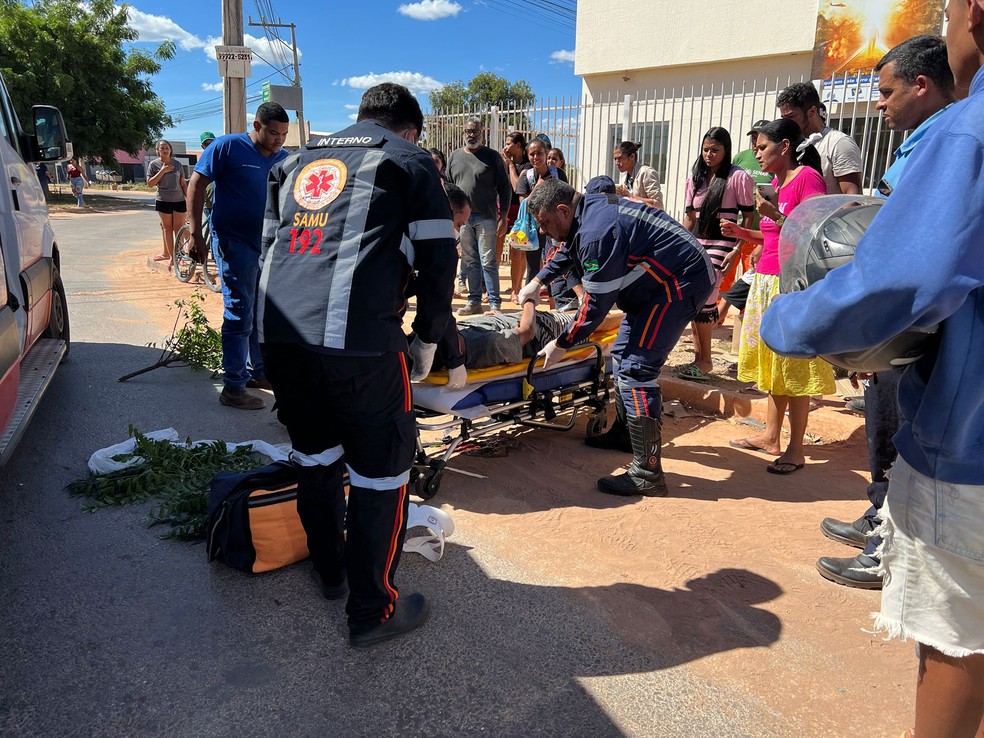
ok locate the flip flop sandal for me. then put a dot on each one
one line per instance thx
(745, 445)
(783, 467)
(692, 373)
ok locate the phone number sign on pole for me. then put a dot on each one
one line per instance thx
(234, 61)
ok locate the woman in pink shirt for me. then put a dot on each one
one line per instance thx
(782, 151)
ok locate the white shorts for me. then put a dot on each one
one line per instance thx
(933, 561)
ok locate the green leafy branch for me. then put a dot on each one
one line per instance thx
(176, 477)
(196, 343)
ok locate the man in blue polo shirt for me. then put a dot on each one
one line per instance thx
(238, 164)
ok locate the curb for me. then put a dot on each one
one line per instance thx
(832, 421)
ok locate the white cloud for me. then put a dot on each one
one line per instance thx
(562, 57)
(212, 86)
(351, 107)
(414, 81)
(160, 28)
(428, 10)
(151, 28)
(353, 117)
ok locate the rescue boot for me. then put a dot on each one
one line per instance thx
(615, 438)
(645, 474)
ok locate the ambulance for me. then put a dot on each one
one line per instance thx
(34, 335)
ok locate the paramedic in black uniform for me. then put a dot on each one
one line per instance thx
(347, 221)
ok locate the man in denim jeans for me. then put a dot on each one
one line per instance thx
(238, 165)
(479, 171)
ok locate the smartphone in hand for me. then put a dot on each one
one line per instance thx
(768, 192)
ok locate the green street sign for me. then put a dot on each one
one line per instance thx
(266, 92)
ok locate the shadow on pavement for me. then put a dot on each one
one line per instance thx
(108, 630)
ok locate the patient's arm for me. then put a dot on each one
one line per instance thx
(450, 346)
(527, 324)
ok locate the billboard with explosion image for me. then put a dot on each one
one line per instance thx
(854, 35)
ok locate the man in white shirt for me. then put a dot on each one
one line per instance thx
(839, 154)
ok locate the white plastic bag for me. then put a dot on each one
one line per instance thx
(437, 522)
(102, 462)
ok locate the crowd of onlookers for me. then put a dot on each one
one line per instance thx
(736, 204)
(733, 202)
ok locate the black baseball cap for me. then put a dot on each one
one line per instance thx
(758, 125)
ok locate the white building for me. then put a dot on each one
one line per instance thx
(671, 69)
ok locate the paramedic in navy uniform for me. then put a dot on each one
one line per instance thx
(347, 221)
(657, 273)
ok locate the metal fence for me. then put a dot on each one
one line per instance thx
(669, 123)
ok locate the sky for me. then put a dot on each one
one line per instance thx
(346, 47)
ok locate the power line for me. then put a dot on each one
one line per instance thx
(196, 109)
(217, 110)
(530, 9)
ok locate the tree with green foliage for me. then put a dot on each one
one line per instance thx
(484, 91)
(74, 55)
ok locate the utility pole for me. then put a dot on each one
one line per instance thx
(301, 133)
(233, 88)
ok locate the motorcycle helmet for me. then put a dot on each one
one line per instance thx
(822, 234)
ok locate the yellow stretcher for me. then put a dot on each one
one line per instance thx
(496, 398)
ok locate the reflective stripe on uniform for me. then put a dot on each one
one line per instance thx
(406, 248)
(600, 288)
(421, 230)
(270, 226)
(325, 458)
(379, 483)
(340, 291)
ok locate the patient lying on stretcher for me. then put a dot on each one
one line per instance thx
(491, 340)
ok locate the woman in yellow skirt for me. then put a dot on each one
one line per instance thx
(781, 150)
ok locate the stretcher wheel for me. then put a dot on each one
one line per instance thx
(427, 484)
(596, 424)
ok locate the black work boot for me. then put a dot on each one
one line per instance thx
(409, 613)
(645, 474)
(615, 438)
(853, 534)
(859, 571)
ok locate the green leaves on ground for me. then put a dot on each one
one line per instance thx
(195, 343)
(175, 477)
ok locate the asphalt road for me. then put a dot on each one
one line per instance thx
(106, 630)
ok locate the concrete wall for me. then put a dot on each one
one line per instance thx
(615, 36)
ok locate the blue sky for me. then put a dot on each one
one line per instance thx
(348, 46)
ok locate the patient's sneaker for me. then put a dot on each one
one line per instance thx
(471, 309)
(240, 399)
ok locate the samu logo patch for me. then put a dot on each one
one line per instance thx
(319, 183)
